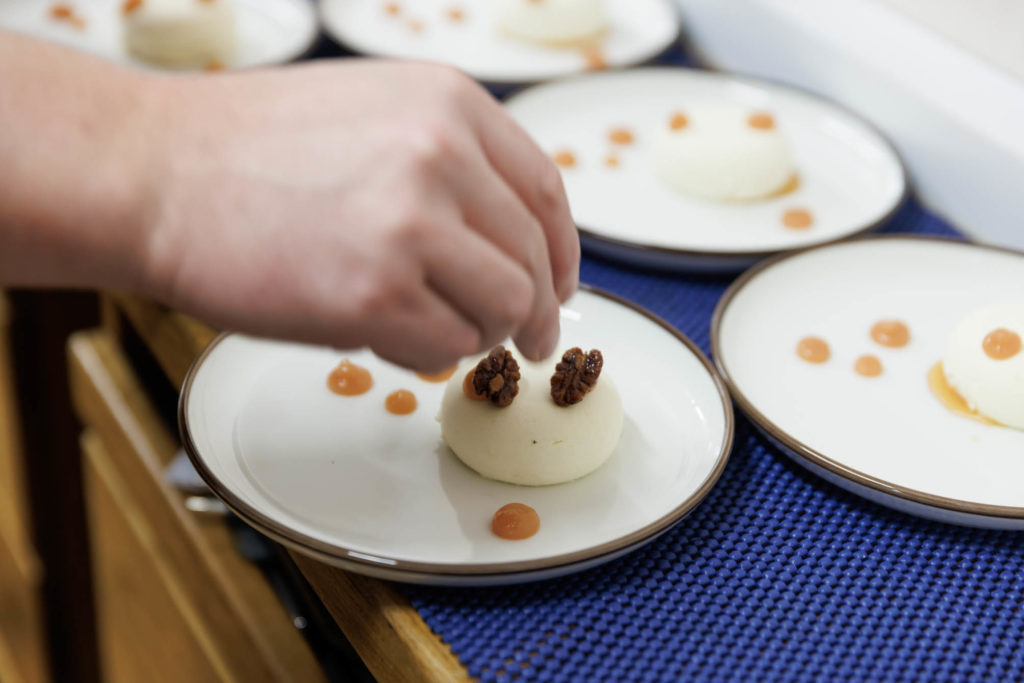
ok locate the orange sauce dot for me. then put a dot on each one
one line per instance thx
(621, 136)
(813, 350)
(392, 9)
(456, 14)
(469, 390)
(130, 6)
(515, 521)
(1001, 344)
(442, 376)
(62, 12)
(761, 121)
(594, 59)
(891, 333)
(868, 366)
(401, 402)
(214, 65)
(416, 26)
(349, 379)
(798, 219)
(678, 121)
(565, 159)
(611, 161)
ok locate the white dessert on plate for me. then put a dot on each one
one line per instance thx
(532, 441)
(180, 34)
(553, 22)
(722, 153)
(984, 362)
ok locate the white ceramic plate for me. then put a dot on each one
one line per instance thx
(269, 31)
(851, 179)
(640, 31)
(886, 438)
(341, 479)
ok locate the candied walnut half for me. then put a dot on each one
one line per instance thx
(575, 375)
(497, 377)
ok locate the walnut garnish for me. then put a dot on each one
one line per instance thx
(497, 377)
(575, 375)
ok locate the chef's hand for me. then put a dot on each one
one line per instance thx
(389, 205)
(354, 203)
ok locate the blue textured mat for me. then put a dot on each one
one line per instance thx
(777, 575)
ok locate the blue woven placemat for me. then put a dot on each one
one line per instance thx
(777, 575)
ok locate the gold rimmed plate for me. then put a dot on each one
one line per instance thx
(888, 437)
(341, 479)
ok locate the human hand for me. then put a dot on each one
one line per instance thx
(382, 204)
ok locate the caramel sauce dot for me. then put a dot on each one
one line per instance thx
(62, 12)
(515, 521)
(469, 390)
(891, 333)
(621, 136)
(130, 6)
(456, 14)
(678, 121)
(416, 26)
(401, 402)
(565, 159)
(392, 9)
(813, 350)
(798, 219)
(761, 121)
(213, 65)
(1001, 344)
(611, 161)
(594, 59)
(349, 379)
(442, 376)
(950, 398)
(868, 366)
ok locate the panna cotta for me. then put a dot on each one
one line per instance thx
(723, 153)
(984, 362)
(531, 440)
(180, 34)
(553, 22)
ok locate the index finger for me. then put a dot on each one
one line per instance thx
(535, 178)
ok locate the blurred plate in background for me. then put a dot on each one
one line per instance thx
(850, 178)
(640, 31)
(269, 31)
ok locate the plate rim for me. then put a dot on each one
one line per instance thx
(641, 249)
(511, 83)
(365, 563)
(804, 452)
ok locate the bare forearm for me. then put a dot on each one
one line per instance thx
(72, 138)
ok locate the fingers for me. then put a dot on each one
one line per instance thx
(427, 334)
(534, 177)
(494, 211)
(489, 289)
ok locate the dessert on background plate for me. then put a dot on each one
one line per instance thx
(723, 152)
(180, 34)
(560, 23)
(983, 365)
(532, 424)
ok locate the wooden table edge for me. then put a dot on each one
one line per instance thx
(380, 623)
